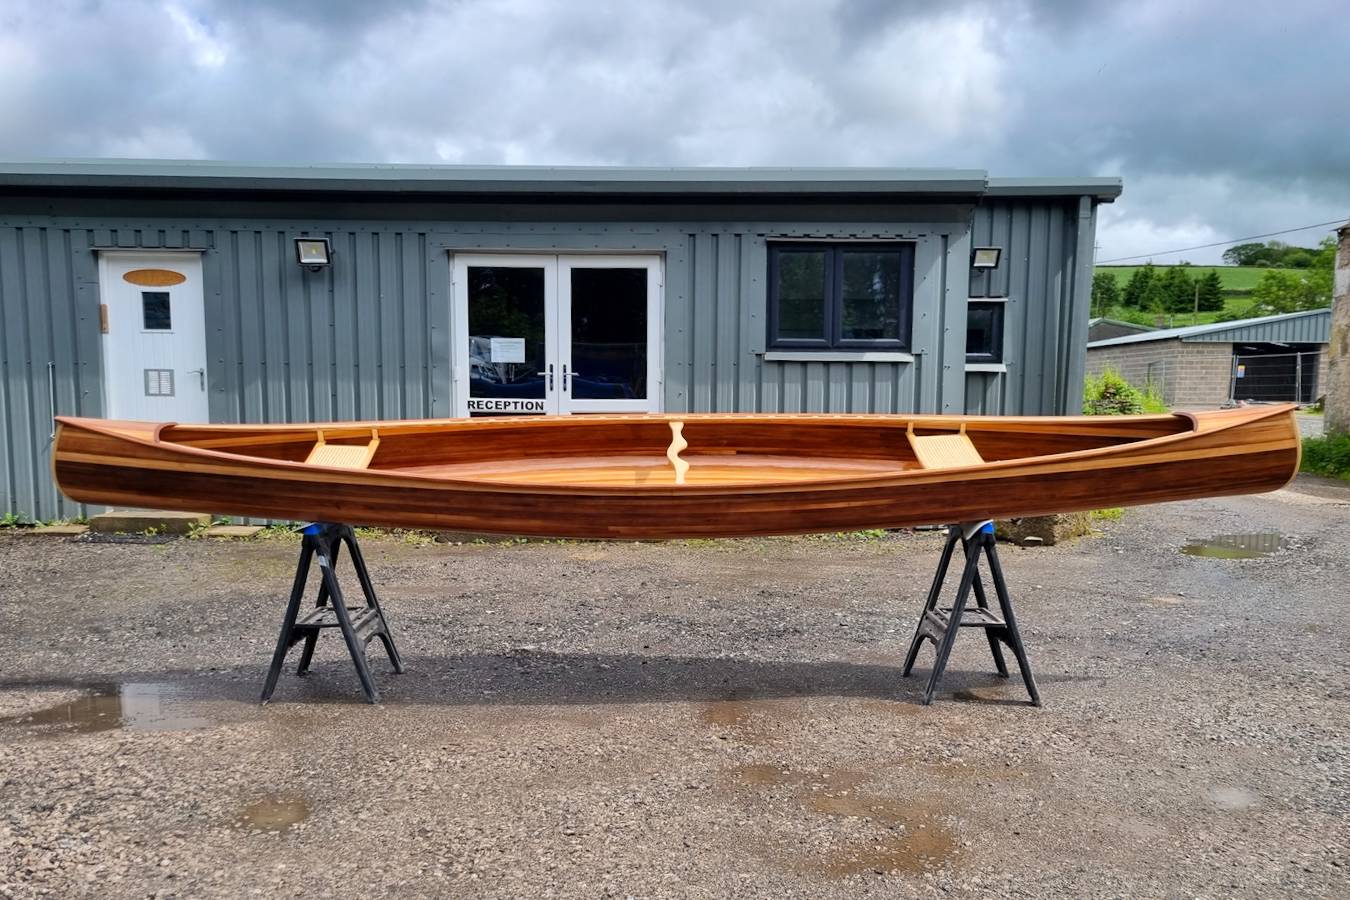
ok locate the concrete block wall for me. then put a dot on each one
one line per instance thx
(1187, 374)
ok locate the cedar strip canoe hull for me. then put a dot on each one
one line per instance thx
(1181, 457)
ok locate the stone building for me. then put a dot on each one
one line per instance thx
(1269, 359)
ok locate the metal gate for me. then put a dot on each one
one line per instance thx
(1277, 377)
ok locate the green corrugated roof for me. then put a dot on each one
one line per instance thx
(124, 174)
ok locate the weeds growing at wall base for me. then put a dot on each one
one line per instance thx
(1327, 455)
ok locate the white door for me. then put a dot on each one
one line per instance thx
(545, 334)
(609, 333)
(154, 336)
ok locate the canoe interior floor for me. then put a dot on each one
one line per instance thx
(656, 470)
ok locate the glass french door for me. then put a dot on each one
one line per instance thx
(557, 334)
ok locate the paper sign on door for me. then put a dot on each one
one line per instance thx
(506, 350)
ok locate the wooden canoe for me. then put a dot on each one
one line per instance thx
(616, 476)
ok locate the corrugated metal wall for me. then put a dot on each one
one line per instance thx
(716, 329)
(357, 341)
(371, 336)
(48, 356)
(1048, 284)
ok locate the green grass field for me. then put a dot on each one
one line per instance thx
(1234, 278)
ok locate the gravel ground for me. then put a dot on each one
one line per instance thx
(1310, 425)
(701, 719)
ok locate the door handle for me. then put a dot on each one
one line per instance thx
(566, 373)
(201, 375)
(51, 394)
(549, 374)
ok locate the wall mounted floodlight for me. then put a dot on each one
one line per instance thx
(313, 253)
(985, 257)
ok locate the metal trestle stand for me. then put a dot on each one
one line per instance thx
(940, 624)
(358, 624)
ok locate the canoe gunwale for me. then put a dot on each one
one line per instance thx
(205, 459)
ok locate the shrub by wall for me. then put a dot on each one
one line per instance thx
(1328, 455)
(1111, 395)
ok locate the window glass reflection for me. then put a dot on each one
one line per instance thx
(609, 334)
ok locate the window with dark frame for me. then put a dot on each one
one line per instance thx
(840, 296)
(984, 331)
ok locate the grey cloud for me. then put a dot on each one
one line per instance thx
(340, 16)
(1186, 95)
(1221, 121)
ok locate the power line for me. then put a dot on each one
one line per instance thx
(1253, 237)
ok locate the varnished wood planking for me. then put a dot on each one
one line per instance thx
(622, 495)
(703, 469)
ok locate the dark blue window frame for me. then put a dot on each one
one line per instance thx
(833, 308)
(986, 346)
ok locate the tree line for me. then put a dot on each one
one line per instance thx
(1284, 287)
(1150, 289)
(1294, 289)
(1271, 255)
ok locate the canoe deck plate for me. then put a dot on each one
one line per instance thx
(940, 624)
(359, 624)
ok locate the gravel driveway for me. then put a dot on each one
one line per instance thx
(1310, 425)
(702, 719)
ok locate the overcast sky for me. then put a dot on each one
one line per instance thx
(1224, 118)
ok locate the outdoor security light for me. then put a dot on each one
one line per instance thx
(313, 253)
(985, 257)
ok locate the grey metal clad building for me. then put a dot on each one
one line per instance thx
(192, 291)
(1267, 359)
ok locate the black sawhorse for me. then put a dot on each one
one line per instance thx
(359, 624)
(940, 624)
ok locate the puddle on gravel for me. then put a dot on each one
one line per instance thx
(763, 775)
(1233, 798)
(1164, 600)
(273, 814)
(770, 775)
(136, 706)
(858, 806)
(727, 713)
(749, 721)
(898, 836)
(915, 840)
(1237, 546)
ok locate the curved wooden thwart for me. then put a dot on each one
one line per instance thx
(621, 476)
(677, 443)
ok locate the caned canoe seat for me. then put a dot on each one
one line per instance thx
(944, 451)
(344, 456)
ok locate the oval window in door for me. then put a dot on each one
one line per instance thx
(154, 277)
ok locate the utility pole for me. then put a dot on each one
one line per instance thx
(1195, 313)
